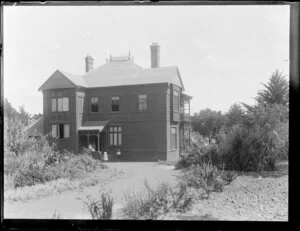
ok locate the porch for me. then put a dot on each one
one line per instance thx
(92, 134)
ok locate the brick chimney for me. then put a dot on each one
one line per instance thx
(155, 55)
(89, 63)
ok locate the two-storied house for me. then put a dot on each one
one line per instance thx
(142, 112)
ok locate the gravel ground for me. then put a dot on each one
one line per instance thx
(252, 196)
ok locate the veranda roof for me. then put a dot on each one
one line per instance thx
(93, 125)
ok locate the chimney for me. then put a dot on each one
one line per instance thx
(89, 63)
(155, 55)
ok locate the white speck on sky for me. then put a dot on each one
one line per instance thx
(223, 52)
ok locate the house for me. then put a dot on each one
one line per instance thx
(142, 112)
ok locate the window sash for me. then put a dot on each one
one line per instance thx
(53, 103)
(65, 104)
(143, 102)
(54, 130)
(173, 138)
(66, 131)
(115, 135)
(60, 104)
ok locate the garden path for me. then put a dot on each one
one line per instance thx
(69, 204)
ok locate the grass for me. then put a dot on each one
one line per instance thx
(60, 185)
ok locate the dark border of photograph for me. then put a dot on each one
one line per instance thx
(294, 211)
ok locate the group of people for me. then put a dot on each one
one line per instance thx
(105, 155)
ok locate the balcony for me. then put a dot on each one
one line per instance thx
(185, 117)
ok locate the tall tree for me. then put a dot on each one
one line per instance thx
(208, 122)
(234, 115)
(24, 116)
(276, 91)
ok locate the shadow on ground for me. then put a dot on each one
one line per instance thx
(282, 169)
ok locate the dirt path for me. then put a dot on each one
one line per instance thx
(69, 206)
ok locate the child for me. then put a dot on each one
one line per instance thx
(105, 157)
(118, 154)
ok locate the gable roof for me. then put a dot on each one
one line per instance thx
(36, 128)
(119, 72)
(62, 79)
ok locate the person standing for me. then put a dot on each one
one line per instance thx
(105, 157)
(118, 154)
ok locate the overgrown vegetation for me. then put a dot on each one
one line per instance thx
(100, 208)
(31, 161)
(247, 138)
(156, 202)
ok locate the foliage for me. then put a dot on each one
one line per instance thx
(251, 149)
(235, 115)
(208, 122)
(204, 176)
(276, 91)
(156, 202)
(100, 209)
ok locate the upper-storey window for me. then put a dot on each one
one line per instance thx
(143, 102)
(115, 103)
(60, 104)
(175, 100)
(94, 104)
(53, 102)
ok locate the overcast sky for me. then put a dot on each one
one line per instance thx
(223, 52)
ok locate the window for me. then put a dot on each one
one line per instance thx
(115, 135)
(173, 138)
(60, 130)
(175, 100)
(66, 131)
(60, 104)
(115, 104)
(53, 103)
(142, 102)
(65, 104)
(94, 104)
(186, 107)
(80, 104)
(54, 130)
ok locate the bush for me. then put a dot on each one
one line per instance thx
(204, 176)
(196, 155)
(251, 149)
(100, 209)
(156, 202)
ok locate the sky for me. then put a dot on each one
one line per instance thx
(223, 53)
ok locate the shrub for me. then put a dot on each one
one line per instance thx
(100, 209)
(251, 149)
(156, 202)
(201, 155)
(204, 176)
